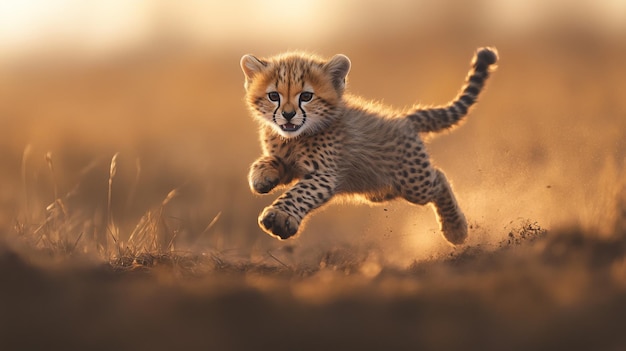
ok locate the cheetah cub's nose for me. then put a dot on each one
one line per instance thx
(289, 115)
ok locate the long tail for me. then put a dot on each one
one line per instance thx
(438, 118)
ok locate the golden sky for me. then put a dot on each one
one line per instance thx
(31, 26)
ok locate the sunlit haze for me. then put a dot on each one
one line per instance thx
(100, 27)
(127, 220)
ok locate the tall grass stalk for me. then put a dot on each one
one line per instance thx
(112, 229)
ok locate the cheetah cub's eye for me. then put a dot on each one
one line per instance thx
(306, 96)
(273, 96)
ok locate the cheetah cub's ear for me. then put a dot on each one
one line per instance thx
(338, 67)
(251, 66)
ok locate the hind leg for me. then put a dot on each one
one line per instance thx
(451, 218)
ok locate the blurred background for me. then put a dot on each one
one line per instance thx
(158, 83)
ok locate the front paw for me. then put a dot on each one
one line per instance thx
(263, 180)
(278, 223)
(263, 186)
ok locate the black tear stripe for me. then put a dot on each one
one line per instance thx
(276, 110)
(301, 109)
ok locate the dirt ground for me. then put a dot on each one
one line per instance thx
(555, 290)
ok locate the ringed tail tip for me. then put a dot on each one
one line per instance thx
(486, 56)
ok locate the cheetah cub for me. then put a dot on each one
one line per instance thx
(331, 143)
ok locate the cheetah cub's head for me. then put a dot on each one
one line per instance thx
(295, 94)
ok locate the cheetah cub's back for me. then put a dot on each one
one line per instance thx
(329, 143)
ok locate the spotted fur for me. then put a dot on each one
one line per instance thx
(329, 143)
